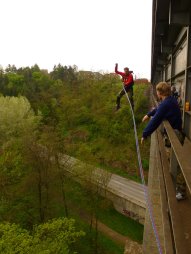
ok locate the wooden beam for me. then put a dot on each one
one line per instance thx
(183, 155)
(168, 241)
(179, 212)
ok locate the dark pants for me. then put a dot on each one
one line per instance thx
(129, 91)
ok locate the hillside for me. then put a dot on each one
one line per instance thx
(44, 114)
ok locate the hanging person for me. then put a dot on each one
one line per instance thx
(128, 82)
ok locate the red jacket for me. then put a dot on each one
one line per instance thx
(127, 79)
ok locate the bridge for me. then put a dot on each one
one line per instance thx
(127, 196)
(171, 62)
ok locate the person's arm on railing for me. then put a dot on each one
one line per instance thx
(149, 114)
(155, 122)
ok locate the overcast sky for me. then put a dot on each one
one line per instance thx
(92, 34)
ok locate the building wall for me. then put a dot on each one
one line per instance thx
(177, 72)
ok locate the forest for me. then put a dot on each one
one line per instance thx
(65, 111)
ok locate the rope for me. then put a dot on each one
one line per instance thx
(148, 202)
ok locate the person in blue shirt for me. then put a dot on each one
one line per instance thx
(168, 110)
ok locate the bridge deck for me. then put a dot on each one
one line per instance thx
(120, 186)
(128, 189)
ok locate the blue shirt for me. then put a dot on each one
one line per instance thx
(169, 110)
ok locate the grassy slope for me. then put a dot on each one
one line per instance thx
(105, 138)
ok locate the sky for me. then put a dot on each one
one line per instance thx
(92, 34)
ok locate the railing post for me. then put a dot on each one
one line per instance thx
(173, 165)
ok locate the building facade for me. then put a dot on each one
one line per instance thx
(171, 50)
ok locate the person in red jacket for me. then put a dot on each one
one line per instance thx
(127, 79)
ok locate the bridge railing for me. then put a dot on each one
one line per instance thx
(176, 215)
(180, 154)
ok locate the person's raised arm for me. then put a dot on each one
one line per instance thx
(116, 67)
(116, 70)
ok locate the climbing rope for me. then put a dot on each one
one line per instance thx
(148, 202)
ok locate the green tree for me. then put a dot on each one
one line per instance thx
(17, 123)
(40, 156)
(65, 73)
(94, 183)
(16, 84)
(17, 118)
(11, 68)
(55, 236)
